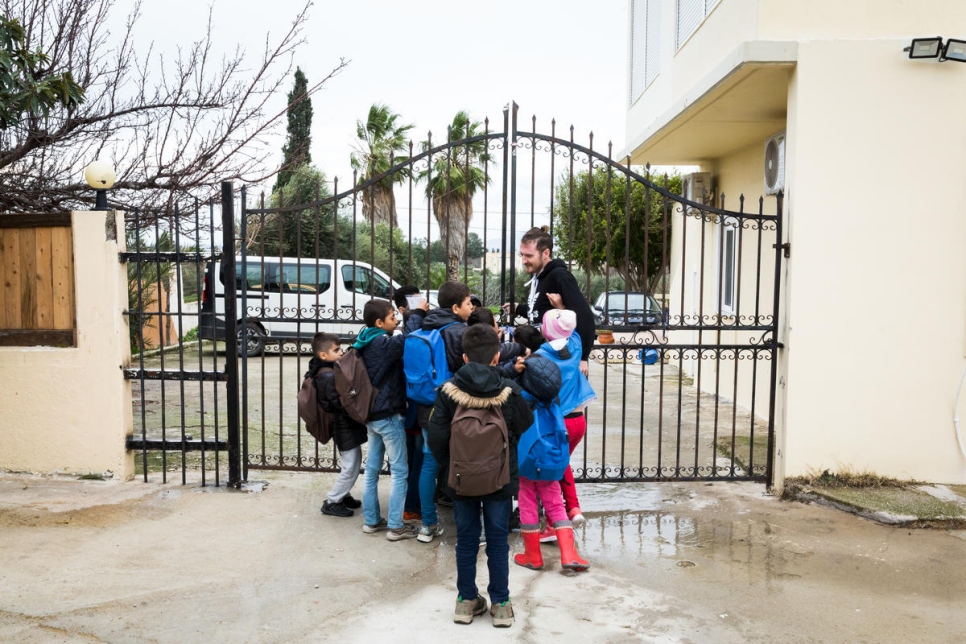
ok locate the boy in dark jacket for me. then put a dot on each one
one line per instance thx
(479, 384)
(455, 308)
(382, 353)
(414, 433)
(347, 434)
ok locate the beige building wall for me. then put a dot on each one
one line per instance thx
(877, 281)
(874, 295)
(69, 409)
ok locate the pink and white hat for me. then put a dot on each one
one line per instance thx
(559, 324)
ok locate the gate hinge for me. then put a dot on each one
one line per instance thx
(787, 247)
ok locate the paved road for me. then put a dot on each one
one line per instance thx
(89, 561)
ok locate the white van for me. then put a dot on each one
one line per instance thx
(291, 299)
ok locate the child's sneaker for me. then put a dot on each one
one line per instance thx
(427, 532)
(336, 509)
(351, 503)
(576, 517)
(379, 527)
(407, 531)
(502, 614)
(412, 516)
(467, 609)
(548, 535)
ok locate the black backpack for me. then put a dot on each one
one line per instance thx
(318, 422)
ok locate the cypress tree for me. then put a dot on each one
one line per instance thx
(298, 141)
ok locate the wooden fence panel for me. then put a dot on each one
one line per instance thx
(36, 280)
(63, 277)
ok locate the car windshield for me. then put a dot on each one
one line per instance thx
(635, 302)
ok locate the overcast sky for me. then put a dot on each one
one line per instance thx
(427, 59)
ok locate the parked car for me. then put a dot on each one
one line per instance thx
(291, 299)
(623, 308)
(431, 296)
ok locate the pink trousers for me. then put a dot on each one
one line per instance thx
(549, 495)
(576, 428)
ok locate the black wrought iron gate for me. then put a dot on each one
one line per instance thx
(686, 292)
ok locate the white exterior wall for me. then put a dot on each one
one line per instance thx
(876, 223)
(873, 310)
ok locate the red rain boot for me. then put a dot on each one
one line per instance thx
(568, 550)
(530, 557)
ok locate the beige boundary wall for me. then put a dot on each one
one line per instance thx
(68, 410)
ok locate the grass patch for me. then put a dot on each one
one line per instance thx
(848, 478)
(897, 501)
(93, 477)
(743, 450)
(171, 461)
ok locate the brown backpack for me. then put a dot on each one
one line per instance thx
(356, 392)
(479, 445)
(318, 422)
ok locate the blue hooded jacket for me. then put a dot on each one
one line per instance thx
(575, 391)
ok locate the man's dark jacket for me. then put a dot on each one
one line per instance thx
(555, 278)
(481, 382)
(346, 432)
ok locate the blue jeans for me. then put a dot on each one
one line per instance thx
(496, 519)
(427, 485)
(387, 438)
(414, 448)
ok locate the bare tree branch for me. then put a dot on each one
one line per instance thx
(174, 126)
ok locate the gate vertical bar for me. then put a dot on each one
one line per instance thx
(503, 245)
(513, 205)
(231, 345)
(772, 395)
(243, 419)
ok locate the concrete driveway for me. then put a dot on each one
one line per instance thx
(91, 561)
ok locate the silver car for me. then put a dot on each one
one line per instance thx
(624, 308)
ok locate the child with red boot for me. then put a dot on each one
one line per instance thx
(541, 380)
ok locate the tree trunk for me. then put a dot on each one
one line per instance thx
(379, 205)
(453, 215)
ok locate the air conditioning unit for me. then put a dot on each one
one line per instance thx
(697, 188)
(775, 163)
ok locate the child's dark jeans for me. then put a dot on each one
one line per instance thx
(496, 519)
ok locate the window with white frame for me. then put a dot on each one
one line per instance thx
(645, 44)
(728, 266)
(691, 13)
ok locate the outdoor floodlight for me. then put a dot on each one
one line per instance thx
(100, 176)
(925, 47)
(955, 50)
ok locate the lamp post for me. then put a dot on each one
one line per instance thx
(100, 176)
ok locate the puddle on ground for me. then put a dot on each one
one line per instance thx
(676, 525)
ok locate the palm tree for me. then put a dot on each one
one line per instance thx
(381, 137)
(452, 180)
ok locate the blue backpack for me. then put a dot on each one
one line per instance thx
(424, 363)
(543, 452)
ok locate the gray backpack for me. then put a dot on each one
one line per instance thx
(479, 444)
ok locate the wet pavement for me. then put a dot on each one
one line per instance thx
(91, 561)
